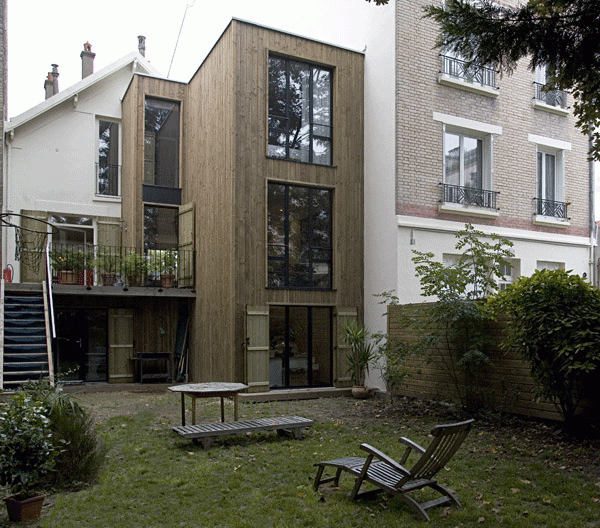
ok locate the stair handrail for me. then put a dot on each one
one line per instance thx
(49, 286)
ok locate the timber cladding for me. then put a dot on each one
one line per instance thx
(506, 382)
(226, 172)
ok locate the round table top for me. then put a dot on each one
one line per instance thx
(210, 387)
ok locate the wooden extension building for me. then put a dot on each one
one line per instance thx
(262, 182)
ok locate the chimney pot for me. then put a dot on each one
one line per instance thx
(142, 45)
(51, 83)
(87, 60)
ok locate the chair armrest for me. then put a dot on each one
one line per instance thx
(410, 445)
(382, 456)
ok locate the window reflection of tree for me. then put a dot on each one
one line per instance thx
(161, 143)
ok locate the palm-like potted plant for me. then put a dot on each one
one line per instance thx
(108, 264)
(135, 268)
(360, 355)
(26, 454)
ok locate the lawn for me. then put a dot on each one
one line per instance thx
(520, 475)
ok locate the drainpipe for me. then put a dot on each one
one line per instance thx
(593, 225)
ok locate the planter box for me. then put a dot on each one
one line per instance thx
(24, 510)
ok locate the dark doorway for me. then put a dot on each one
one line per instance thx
(301, 346)
(81, 345)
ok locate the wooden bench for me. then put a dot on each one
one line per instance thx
(206, 433)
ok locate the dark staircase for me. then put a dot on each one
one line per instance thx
(25, 348)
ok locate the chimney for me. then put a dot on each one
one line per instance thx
(51, 84)
(142, 45)
(87, 60)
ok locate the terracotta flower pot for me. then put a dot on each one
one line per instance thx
(24, 509)
(359, 392)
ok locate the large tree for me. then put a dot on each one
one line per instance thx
(563, 35)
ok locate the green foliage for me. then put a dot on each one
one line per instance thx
(362, 351)
(26, 448)
(556, 327)
(475, 273)
(78, 452)
(562, 35)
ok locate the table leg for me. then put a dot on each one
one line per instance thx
(235, 407)
(222, 409)
(193, 410)
(182, 408)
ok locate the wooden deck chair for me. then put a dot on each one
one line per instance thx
(391, 476)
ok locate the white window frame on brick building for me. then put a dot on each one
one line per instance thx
(554, 101)
(550, 206)
(460, 196)
(510, 271)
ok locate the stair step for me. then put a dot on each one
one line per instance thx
(25, 356)
(24, 349)
(32, 339)
(25, 331)
(10, 297)
(18, 378)
(25, 323)
(24, 314)
(15, 368)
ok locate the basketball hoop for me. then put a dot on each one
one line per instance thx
(29, 241)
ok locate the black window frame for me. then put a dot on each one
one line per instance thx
(280, 253)
(286, 130)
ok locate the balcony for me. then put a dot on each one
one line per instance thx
(556, 98)
(89, 265)
(457, 73)
(551, 209)
(468, 196)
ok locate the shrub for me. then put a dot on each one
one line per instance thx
(556, 327)
(26, 447)
(79, 454)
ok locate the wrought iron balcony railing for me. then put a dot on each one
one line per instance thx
(458, 68)
(90, 265)
(556, 98)
(551, 208)
(468, 195)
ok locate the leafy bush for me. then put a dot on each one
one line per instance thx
(556, 327)
(361, 352)
(79, 454)
(27, 452)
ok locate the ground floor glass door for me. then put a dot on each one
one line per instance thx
(300, 346)
(81, 345)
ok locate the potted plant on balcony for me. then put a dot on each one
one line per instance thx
(108, 264)
(135, 268)
(68, 262)
(168, 265)
(360, 355)
(26, 454)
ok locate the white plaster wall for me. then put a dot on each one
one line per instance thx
(380, 139)
(439, 237)
(50, 162)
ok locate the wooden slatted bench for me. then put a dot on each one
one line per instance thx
(206, 433)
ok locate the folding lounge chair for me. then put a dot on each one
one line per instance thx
(391, 476)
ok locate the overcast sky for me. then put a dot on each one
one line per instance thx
(42, 32)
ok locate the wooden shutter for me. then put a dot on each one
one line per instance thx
(186, 267)
(28, 275)
(109, 232)
(340, 361)
(257, 348)
(120, 346)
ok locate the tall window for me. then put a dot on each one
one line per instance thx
(463, 158)
(108, 158)
(161, 143)
(546, 176)
(299, 237)
(161, 227)
(299, 111)
(545, 92)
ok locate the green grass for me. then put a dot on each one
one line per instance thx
(153, 478)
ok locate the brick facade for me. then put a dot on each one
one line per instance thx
(420, 137)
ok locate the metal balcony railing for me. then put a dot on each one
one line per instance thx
(551, 208)
(556, 98)
(90, 265)
(458, 68)
(468, 195)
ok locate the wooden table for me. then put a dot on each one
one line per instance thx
(209, 390)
